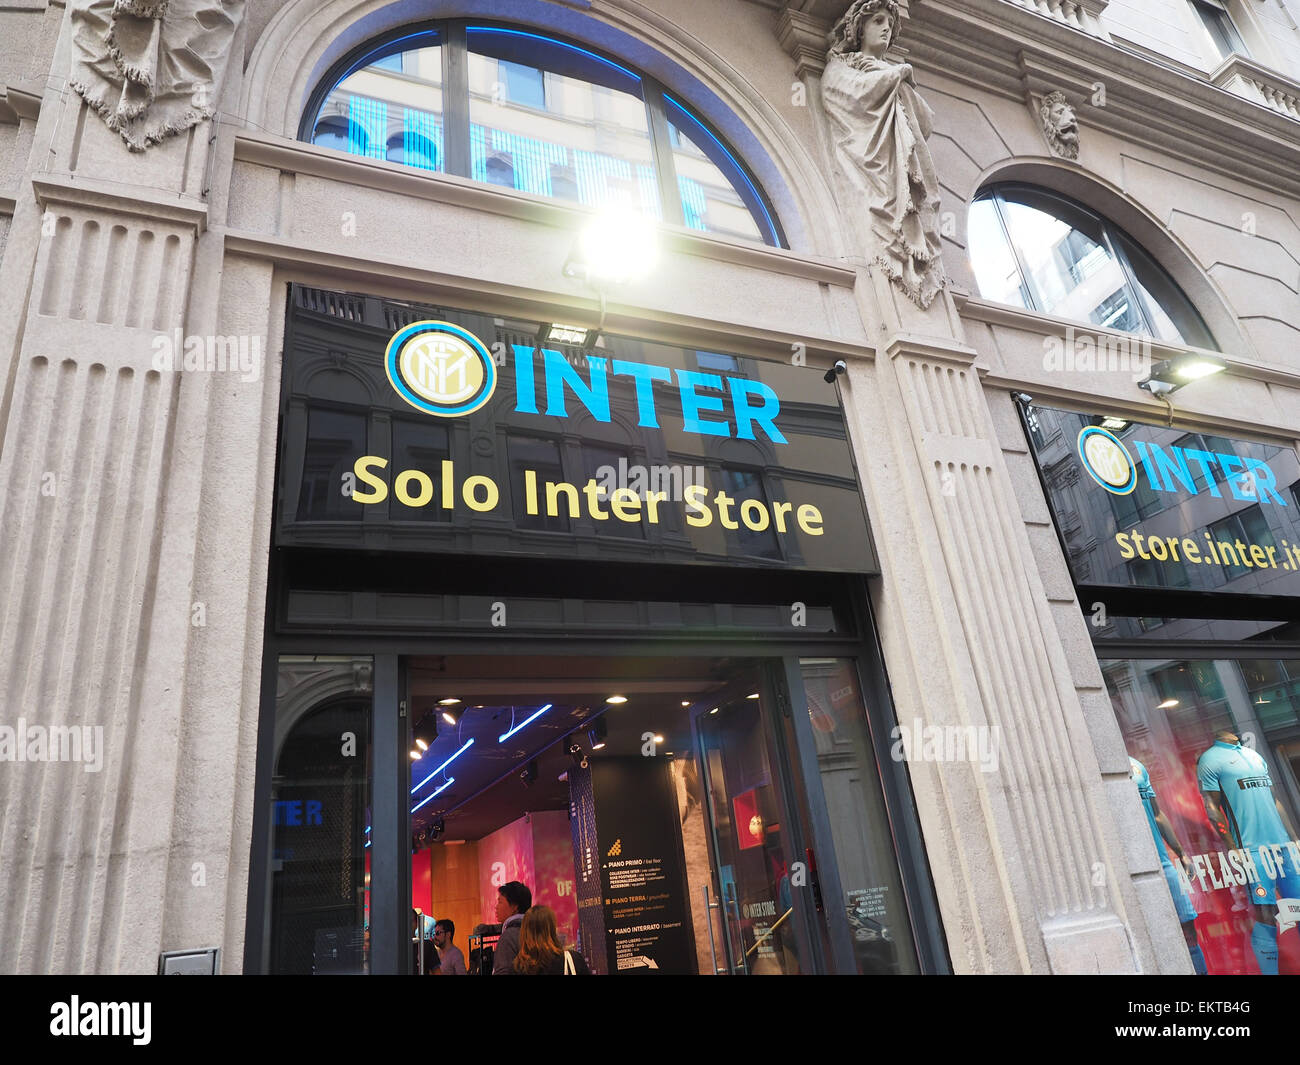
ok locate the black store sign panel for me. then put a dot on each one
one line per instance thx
(410, 428)
(1148, 506)
(642, 868)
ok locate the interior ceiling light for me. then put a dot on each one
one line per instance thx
(529, 773)
(448, 702)
(464, 747)
(528, 720)
(597, 734)
(1168, 704)
(424, 733)
(619, 700)
(452, 716)
(754, 696)
(658, 738)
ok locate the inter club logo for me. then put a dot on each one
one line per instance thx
(440, 368)
(1107, 461)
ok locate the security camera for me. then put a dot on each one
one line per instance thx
(838, 370)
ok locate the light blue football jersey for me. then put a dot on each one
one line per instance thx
(1242, 776)
(1182, 904)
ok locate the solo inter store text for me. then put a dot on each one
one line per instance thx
(414, 488)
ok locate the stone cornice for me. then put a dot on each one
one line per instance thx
(1259, 84)
(298, 157)
(17, 104)
(393, 277)
(999, 47)
(138, 201)
(999, 314)
(803, 37)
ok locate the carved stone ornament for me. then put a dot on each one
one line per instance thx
(1060, 125)
(151, 68)
(879, 126)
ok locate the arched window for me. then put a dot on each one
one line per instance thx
(522, 110)
(1036, 249)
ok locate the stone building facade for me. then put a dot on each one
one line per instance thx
(137, 503)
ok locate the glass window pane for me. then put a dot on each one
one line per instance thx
(334, 439)
(1214, 760)
(1219, 25)
(869, 877)
(389, 109)
(558, 121)
(320, 817)
(991, 257)
(716, 195)
(1071, 271)
(1175, 320)
(1078, 267)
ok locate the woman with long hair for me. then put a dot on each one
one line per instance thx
(540, 950)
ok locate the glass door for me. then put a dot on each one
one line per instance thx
(760, 876)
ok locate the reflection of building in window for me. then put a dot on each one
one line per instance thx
(543, 458)
(1034, 248)
(544, 117)
(523, 85)
(1148, 573)
(418, 446)
(334, 440)
(594, 459)
(748, 484)
(1274, 688)
(1138, 505)
(1234, 536)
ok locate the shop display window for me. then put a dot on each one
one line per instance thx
(1214, 750)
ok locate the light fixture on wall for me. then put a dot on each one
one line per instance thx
(561, 333)
(1168, 376)
(1111, 423)
(616, 247)
(598, 734)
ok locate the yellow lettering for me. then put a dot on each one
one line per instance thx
(781, 510)
(1125, 549)
(625, 504)
(362, 469)
(693, 494)
(530, 492)
(422, 479)
(760, 520)
(809, 516)
(490, 493)
(553, 490)
(652, 501)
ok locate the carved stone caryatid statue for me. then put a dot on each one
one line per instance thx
(1060, 125)
(880, 125)
(151, 68)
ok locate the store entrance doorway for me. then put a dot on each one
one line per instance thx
(648, 803)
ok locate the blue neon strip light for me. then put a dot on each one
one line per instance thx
(554, 44)
(441, 789)
(506, 735)
(697, 124)
(468, 744)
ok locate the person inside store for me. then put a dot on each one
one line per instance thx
(422, 948)
(513, 901)
(540, 951)
(451, 960)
